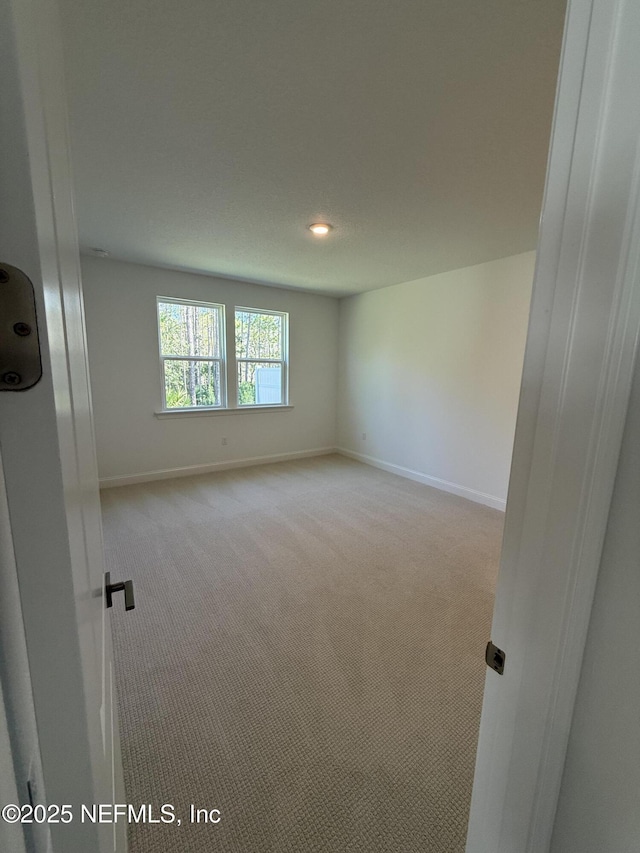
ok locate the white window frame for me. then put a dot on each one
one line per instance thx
(283, 361)
(221, 360)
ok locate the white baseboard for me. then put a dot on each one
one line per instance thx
(435, 482)
(190, 470)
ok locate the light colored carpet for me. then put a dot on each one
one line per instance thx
(306, 655)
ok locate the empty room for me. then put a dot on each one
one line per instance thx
(308, 238)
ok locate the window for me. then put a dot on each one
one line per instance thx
(261, 357)
(192, 354)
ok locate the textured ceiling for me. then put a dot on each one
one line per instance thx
(207, 134)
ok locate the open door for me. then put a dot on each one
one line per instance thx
(52, 511)
(583, 333)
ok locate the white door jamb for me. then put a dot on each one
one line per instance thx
(584, 327)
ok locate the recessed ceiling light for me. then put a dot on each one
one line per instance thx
(101, 253)
(320, 229)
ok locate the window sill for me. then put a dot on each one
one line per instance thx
(198, 413)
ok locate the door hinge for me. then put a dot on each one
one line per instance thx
(495, 658)
(20, 363)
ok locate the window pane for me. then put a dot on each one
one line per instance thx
(258, 335)
(189, 329)
(259, 384)
(191, 383)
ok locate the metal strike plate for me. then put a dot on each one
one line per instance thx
(20, 364)
(495, 658)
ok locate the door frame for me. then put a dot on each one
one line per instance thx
(49, 465)
(579, 360)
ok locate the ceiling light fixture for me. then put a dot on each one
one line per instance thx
(320, 229)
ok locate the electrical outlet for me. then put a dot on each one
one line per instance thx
(224, 441)
(364, 436)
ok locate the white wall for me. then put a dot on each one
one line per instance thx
(120, 304)
(598, 806)
(430, 370)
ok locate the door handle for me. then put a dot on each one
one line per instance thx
(122, 586)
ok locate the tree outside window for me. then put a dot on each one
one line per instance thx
(194, 356)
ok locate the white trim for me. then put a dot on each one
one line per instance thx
(190, 358)
(260, 360)
(209, 467)
(178, 300)
(283, 361)
(190, 413)
(46, 436)
(427, 479)
(585, 320)
(222, 339)
(246, 310)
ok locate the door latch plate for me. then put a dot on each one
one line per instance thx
(495, 658)
(20, 363)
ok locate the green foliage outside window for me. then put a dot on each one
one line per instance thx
(191, 347)
(258, 337)
(190, 330)
(246, 393)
